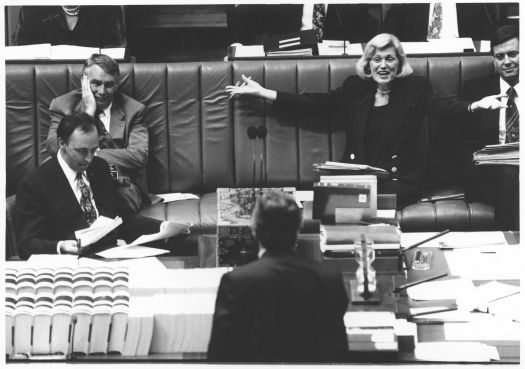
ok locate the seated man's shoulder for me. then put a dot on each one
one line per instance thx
(68, 97)
(128, 103)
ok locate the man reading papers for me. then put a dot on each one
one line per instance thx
(69, 192)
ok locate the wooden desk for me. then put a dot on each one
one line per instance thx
(388, 277)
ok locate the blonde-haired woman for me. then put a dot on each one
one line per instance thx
(385, 106)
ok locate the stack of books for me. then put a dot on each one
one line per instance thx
(113, 309)
(503, 154)
(65, 310)
(379, 331)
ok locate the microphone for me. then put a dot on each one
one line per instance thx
(252, 135)
(344, 27)
(262, 131)
(74, 320)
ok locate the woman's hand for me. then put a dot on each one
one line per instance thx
(250, 87)
(491, 102)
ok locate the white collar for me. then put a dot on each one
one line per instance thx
(107, 111)
(71, 175)
(504, 86)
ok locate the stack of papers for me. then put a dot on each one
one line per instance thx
(370, 331)
(338, 47)
(503, 154)
(335, 167)
(295, 52)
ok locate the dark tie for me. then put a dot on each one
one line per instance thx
(436, 22)
(104, 138)
(85, 200)
(318, 20)
(512, 118)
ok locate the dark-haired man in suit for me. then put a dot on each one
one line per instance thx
(497, 185)
(282, 307)
(123, 130)
(415, 22)
(249, 23)
(69, 192)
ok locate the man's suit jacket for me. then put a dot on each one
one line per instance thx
(280, 308)
(409, 22)
(47, 211)
(248, 24)
(411, 100)
(483, 127)
(127, 129)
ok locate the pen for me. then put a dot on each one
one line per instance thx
(434, 311)
(426, 240)
(403, 286)
(78, 250)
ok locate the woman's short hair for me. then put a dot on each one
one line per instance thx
(380, 42)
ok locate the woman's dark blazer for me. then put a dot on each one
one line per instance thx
(411, 100)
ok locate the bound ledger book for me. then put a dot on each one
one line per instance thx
(66, 311)
(235, 243)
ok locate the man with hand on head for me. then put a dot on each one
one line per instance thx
(69, 192)
(497, 185)
(282, 307)
(123, 133)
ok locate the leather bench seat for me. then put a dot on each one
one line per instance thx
(456, 215)
(198, 140)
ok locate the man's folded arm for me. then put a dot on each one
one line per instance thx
(135, 155)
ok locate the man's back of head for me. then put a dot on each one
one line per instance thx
(276, 221)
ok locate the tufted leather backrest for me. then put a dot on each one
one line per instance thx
(198, 138)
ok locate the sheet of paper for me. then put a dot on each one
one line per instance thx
(445, 289)
(52, 260)
(303, 196)
(335, 47)
(101, 227)
(505, 263)
(248, 51)
(437, 46)
(484, 46)
(27, 52)
(455, 351)
(176, 196)
(171, 230)
(131, 252)
(72, 52)
(114, 52)
(495, 290)
(454, 239)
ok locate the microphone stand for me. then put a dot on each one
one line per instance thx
(344, 28)
(261, 133)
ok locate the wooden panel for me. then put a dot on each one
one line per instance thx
(183, 16)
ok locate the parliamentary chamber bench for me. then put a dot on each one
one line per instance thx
(198, 137)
